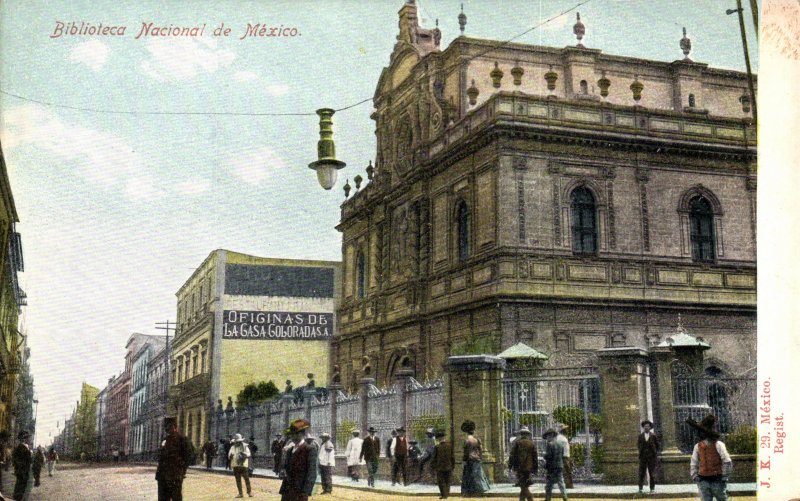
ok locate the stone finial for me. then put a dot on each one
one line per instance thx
(604, 83)
(370, 171)
(579, 29)
(472, 93)
(358, 180)
(551, 77)
(517, 73)
(462, 20)
(497, 75)
(636, 88)
(437, 34)
(686, 46)
(347, 188)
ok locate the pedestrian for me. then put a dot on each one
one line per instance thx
(239, 458)
(563, 439)
(427, 454)
(414, 455)
(209, 451)
(473, 481)
(174, 458)
(443, 463)
(371, 453)
(389, 445)
(327, 460)
(554, 465)
(648, 446)
(399, 450)
(227, 446)
(288, 445)
(352, 453)
(301, 464)
(253, 450)
(711, 464)
(276, 449)
(38, 464)
(5, 456)
(524, 461)
(21, 459)
(52, 457)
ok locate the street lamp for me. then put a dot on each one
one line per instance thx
(35, 413)
(326, 165)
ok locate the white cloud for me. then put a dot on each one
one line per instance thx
(99, 157)
(277, 89)
(253, 167)
(245, 76)
(184, 58)
(92, 53)
(193, 186)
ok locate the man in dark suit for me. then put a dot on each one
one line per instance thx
(648, 453)
(174, 458)
(399, 450)
(301, 464)
(442, 463)
(22, 459)
(524, 461)
(371, 452)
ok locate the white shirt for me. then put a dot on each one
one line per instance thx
(727, 463)
(327, 455)
(233, 454)
(353, 451)
(561, 439)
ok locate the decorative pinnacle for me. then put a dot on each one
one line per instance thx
(462, 20)
(686, 46)
(579, 29)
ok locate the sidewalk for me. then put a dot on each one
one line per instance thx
(507, 489)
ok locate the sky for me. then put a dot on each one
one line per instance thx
(117, 209)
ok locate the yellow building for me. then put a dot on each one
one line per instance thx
(12, 298)
(244, 319)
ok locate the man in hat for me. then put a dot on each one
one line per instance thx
(371, 452)
(414, 454)
(399, 450)
(22, 459)
(352, 453)
(301, 464)
(427, 454)
(209, 451)
(554, 465)
(711, 464)
(563, 439)
(277, 449)
(524, 461)
(327, 460)
(648, 453)
(173, 460)
(443, 463)
(239, 455)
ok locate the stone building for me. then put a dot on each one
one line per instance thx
(155, 409)
(566, 198)
(245, 319)
(140, 414)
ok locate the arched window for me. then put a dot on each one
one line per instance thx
(361, 276)
(701, 228)
(463, 228)
(584, 221)
(691, 101)
(584, 87)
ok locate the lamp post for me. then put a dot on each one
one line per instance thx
(35, 414)
(740, 11)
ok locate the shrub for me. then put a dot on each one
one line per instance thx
(254, 394)
(570, 416)
(742, 441)
(421, 424)
(343, 431)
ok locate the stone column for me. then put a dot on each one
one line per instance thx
(401, 380)
(287, 399)
(333, 394)
(673, 462)
(268, 427)
(364, 401)
(474, 390)
(623, 373)
(308, 399)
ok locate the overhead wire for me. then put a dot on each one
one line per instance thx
(285, 114)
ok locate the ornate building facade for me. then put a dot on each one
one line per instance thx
(566, 198)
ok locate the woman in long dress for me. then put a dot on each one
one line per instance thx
(473, 481)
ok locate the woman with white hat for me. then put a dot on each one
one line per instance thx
(239, 455)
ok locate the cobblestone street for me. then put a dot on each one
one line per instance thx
(108, 483)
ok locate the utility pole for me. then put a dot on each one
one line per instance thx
(739, 10)
(754, 11)
(167, 327)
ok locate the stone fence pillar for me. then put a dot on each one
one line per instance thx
(363, 391)
(624, 374)
(268, 427)
(473, 390)
(287, 399)
(673, 462)
(333, 394)
(402, 379)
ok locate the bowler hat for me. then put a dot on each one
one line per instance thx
(372, 429)
(401, 430)
(468, 426)
(647, 421)
(705, 426)
(439, 433)
(549, 433)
